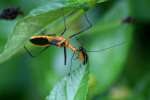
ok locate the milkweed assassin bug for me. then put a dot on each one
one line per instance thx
(59, 41)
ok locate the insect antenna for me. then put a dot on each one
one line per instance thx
(106, 48)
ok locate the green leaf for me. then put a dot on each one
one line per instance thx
(100, 1)
(71, 87)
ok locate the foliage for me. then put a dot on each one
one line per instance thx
(45, 76)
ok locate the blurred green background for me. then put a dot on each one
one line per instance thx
(119, 73)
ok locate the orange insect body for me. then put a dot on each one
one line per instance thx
(58, 41)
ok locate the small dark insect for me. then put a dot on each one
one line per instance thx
(128, 19)
(10, 13)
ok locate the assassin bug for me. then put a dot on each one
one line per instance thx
(59, 41)
(10, 13)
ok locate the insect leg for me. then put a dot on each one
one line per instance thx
(89, 26)
(28, 51)
(32, 54)
(65, 56)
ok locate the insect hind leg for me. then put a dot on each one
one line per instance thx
(29, 52)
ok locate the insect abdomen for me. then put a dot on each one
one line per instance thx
(40, 41)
